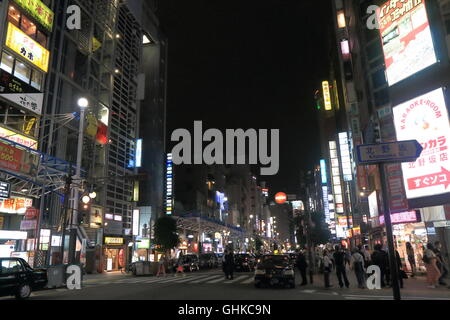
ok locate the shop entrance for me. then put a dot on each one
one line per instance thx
(112, 259)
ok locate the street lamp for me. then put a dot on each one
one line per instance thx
(83, 103)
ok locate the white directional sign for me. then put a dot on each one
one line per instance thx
(400, 151)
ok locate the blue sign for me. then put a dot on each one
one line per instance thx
(323, 171)
(400, 151)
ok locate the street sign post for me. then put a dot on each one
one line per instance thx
(399, 151)
(381, 154)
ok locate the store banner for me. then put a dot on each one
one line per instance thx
(432, 214)
(27, 48)
(403, 217)
(30, 101)
(398, 202)
(28, 224)
(18, 160)
(18, 138)
(425, 119)
(11, 84)
(39, 11)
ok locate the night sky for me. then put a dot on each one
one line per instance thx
(250, 64)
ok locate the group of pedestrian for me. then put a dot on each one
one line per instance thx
(434, 264)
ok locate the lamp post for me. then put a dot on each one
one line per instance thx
(83, 103)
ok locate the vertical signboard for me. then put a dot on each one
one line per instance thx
(425, 119)
(337, 188)
(406, 38)
(169, 184)
(345, 156)
(327, 96)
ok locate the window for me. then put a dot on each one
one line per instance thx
(41, 39)
(7, 62)
(28, 27)
(22, 72)
(37, 79)
(14, 16)
(11, 266)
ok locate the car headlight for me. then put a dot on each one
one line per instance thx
(288, 272)
(260, 271)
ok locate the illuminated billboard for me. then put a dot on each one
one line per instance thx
(323, 171)
(425, 119)
(18, 138)
(336, 178)
(38, 10)
(373, 205)
(406, 38)
(345, 156)
(27, 48)
(169, 184)
(327, 95)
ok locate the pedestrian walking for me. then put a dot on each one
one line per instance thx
(179, 267)
(302, 265)
(340, 261)
(433, 272)
(162, 266)
(327, 267)
(400, 273)
(411, 258)
(229, 265)
(440, 263)
(364, 251)
(357, 264)
(379, 258)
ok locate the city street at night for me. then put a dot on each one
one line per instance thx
(211, 285)
(174, 151)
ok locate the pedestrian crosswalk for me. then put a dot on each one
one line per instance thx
(245, 279)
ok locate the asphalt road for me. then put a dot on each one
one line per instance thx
(212, 285)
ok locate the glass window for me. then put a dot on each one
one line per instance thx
(41, 39)
(13, 16)
(15, 119)
(37, 79)
(11, 266)
(22, 72)
(28, 27)
(7, 62)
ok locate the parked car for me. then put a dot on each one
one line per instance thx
(190, 262)
(208, 261)
(18, 279)
(275, 270)
(293, 257)
(244, 262)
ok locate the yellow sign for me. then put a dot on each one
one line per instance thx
(2, 219)
(92, 125)
(95, 44)
(38, 10)
(326, 95)
(114, 241)
(29, 49)
(17, 138)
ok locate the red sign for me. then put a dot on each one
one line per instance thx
(280, 197)
(398, 202)
(430, 180)
(31, 213)
(102, 133)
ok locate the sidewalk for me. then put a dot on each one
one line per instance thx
(105, 275)
(412, 287)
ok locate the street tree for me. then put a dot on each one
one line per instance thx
(166, 237)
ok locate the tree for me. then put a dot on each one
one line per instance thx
(320, 233)
(258, 243)
(166, 233)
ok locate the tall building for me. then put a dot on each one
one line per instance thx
(96, 71)
(397, 67)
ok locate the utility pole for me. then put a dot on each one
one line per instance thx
(66, 208)
(390, 238)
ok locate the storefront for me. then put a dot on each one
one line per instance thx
(13, 244)
(114, 254)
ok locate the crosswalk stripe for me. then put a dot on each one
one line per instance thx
(186, 279)
(250, 280)
(236, 279)
(216, 280)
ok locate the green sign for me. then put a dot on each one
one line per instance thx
(38, 10)
(143, 244)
